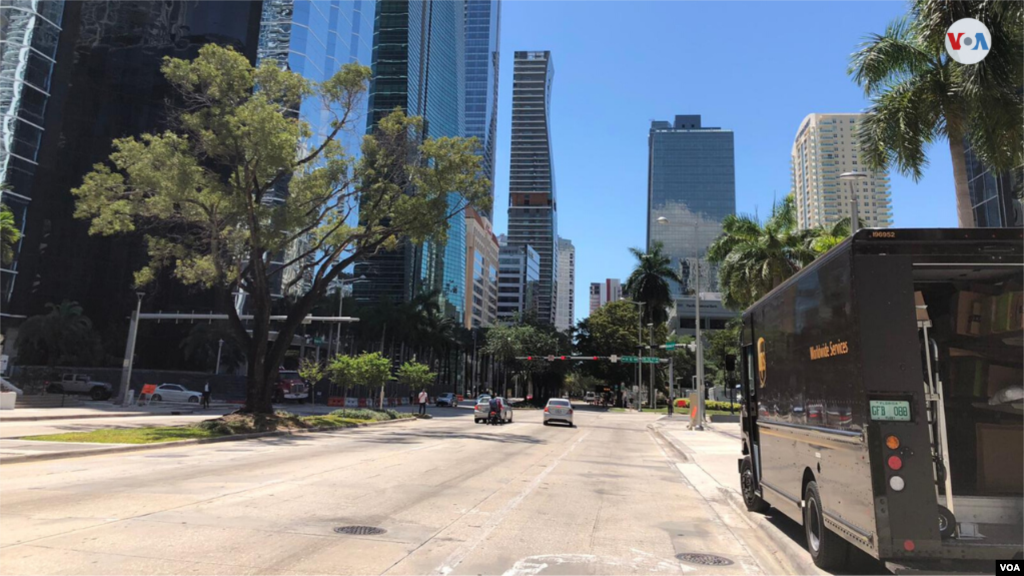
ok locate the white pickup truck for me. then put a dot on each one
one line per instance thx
(81, 384)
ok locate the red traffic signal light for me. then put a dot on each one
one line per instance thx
(529, 358)
(561, 357)
(595, 357)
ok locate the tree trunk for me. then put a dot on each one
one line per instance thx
(964, 208)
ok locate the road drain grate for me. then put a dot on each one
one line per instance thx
(704, 559)
(360, 530)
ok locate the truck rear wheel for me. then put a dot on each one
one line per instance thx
(751, 498)
(98, 393)
(827, 549)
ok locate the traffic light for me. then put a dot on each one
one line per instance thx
(529, 358)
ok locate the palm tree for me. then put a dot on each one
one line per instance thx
(919, 94)
(64, 334)
(829, 236)
(9, 235)
(649, 282)
(753, 258)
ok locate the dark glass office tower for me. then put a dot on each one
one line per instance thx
(483, 40)
(418, 51)
(104, 82)
(994, 196)
(533, 206)
(692, 183)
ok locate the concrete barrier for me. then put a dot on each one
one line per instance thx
(7, 400)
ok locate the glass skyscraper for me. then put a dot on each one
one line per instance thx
(418, 51)
(75, 76)
(994, 196)
(483, 40)
(692, 183)
(533, 204)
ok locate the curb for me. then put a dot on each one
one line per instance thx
(187, 409)
(795, 554)
(179, 443)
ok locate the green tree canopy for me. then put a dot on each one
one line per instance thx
(753, 257)
(649, 282)
(415, 375)
(9, 235)
(242, 184)
(62, 336)
(920, 95)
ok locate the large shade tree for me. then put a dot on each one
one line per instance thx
(62, 336)
(920, 95)
(649, 282)
(242, 194)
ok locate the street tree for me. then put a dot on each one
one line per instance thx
(374, 371)
(312, 370)
(649, 282)
(919, 94)
(9, 235)
(415, 375)
(62, 336)
(242, 194)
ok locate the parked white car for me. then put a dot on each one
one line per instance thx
(558, 410)
(176, 393)
(448, 399)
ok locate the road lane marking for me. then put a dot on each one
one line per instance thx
(456, 557)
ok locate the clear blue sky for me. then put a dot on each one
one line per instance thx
(757, 68)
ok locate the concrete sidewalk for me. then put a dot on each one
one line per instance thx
(712, 467)
(110, 410)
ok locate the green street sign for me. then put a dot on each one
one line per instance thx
(318, 341)
(651, 360)
(629, 359)
(671, 346)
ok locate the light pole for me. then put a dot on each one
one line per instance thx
(640, 347)
(220, 346)
(650, 328)
(129, 350)
(341, 299)
(853, 177)
(700, 345)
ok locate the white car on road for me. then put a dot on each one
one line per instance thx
(176, 393)
(482, 411)
(558, 410)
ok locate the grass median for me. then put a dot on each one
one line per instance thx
(229, 425)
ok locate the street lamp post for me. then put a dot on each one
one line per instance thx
(129, 351)
(852, 177)
(220, 346)
(700, 345)
(640, 347)
(650, 328)
(341, 300)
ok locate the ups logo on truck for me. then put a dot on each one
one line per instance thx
(762, 362)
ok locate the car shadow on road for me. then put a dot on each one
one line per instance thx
(421, 436)
(858, 562)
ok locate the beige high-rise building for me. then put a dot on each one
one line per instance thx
(826, 146)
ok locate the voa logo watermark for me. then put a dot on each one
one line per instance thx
(968, 41)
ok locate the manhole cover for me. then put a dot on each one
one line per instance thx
(704, 559)
(360, 530)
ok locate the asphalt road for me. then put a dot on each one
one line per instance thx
(454, 497)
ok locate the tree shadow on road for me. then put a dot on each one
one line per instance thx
(418, 437)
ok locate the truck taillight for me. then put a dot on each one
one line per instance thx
(895, 462)
(892, 442)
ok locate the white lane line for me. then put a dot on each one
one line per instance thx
(456, 557)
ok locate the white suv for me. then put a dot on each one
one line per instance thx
(81, 384)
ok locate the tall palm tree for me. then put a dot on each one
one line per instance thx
(9, 235)
(829, 236)
(753, 257)
(649, 282)
(920, 95)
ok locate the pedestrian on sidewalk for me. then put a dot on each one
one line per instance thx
(423, 401)
(206, 395)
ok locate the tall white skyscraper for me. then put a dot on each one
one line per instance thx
(565, 297)
(826, 146)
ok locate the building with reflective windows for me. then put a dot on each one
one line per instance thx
(481, 271)
(691, 182)
(75, 76)
(994, 196)
(533, 204)
(565, 299)
(315, 38)
(827, 145)
(30, 30)
(518, 280)
(483, 40)
(418, 66)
